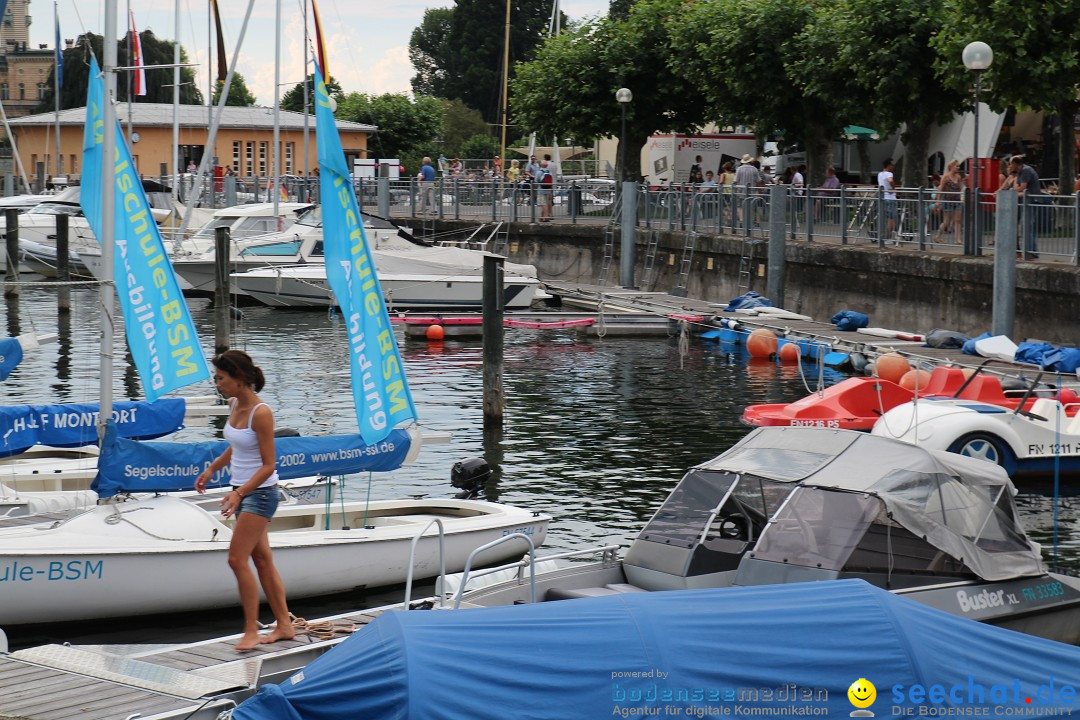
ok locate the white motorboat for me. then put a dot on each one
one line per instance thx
(788, 505)
(306, 286)
(301, 243)
(37, 229)
(244, 223)
(163, 555)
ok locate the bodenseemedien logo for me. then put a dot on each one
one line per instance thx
(862, 694)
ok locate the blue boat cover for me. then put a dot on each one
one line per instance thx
(11, 354)
(739, 652)
(75, 424)
(132, 466)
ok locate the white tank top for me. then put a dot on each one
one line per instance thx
(246, 459)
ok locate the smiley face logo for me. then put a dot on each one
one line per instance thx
(862, 694)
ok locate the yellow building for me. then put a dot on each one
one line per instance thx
(243, 143)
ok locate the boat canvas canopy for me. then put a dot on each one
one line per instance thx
(962, 506)
(769, 651)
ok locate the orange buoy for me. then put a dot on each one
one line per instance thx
(915, 380)
(761, 343)
(789, 353)
(435, 332)
(892, 367)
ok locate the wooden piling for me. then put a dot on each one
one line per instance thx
(63, 264)
(221, 289)
(493, 341)
(11, 239)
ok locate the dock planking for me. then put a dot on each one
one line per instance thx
(33, 689)
(608, 299)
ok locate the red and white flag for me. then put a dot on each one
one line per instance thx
(136, 49)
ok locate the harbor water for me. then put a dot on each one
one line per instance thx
(596, 432)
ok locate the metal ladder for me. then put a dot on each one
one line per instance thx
(499, 239)
(746, 267)
(610, 232)
(648, 279)
(685, 264)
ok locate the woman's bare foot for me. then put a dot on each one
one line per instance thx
(249, 641)
(278, 633)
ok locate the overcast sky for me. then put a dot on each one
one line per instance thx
(367, 40)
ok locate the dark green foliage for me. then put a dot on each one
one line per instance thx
(294, 99)
(159, 83)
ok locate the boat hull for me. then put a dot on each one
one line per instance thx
(164, 555)
(400, 291)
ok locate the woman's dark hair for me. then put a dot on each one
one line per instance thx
(240, 365)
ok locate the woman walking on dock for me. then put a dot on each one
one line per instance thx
(254, 497)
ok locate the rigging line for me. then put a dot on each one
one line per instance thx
(1057, 467)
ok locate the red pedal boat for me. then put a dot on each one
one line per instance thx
(858, 402)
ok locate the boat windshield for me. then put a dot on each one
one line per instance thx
(311, 217)
(818, 528)
(736, 505)
(53, 208)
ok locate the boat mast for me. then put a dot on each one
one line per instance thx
(129, 75)
(505, 81)
(56, 87)
(108, 221)
(277, 111)
(176, 105)
(307, 160)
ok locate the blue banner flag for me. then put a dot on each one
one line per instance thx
(75, 424)
(132, 466)
(59, 52)
(380, 392)
(159, 330)
(11, 354)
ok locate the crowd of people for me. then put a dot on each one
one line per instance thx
(535, 181)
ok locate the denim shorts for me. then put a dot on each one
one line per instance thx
(890, 209)
(263, 501)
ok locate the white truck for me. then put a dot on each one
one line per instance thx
(669, 157)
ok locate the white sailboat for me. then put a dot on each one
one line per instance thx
(163, 554)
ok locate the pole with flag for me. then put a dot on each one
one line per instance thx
(137, 57)
(58, 77)
(380, 393)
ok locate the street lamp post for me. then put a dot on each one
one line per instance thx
(624, 97)
(977, 58)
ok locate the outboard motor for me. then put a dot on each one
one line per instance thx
(470, 476)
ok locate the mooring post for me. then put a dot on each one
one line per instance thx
(39, 181)
(63, 264)
(493, 340)
(230, 190)
(11, 239)
(1004, 310)
(383, 191)
(776, 265)
(629, 234)
(221, 289)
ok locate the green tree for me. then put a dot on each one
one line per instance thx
(885, 66)
(458, 52)
(294, 99)
(1036, 62)
(569, 89)
(753, 62)
(427, 49)
(239, 95)
(158, 82)
(406, 128)
(460, 123)
(482, 147)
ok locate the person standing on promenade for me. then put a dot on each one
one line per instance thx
(950, 192)
(885, 182)
(1027, 185)
(546, 181)
(426, 177)
(254, 497)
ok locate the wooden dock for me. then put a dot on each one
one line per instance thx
(701, 315)
(195, 681)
